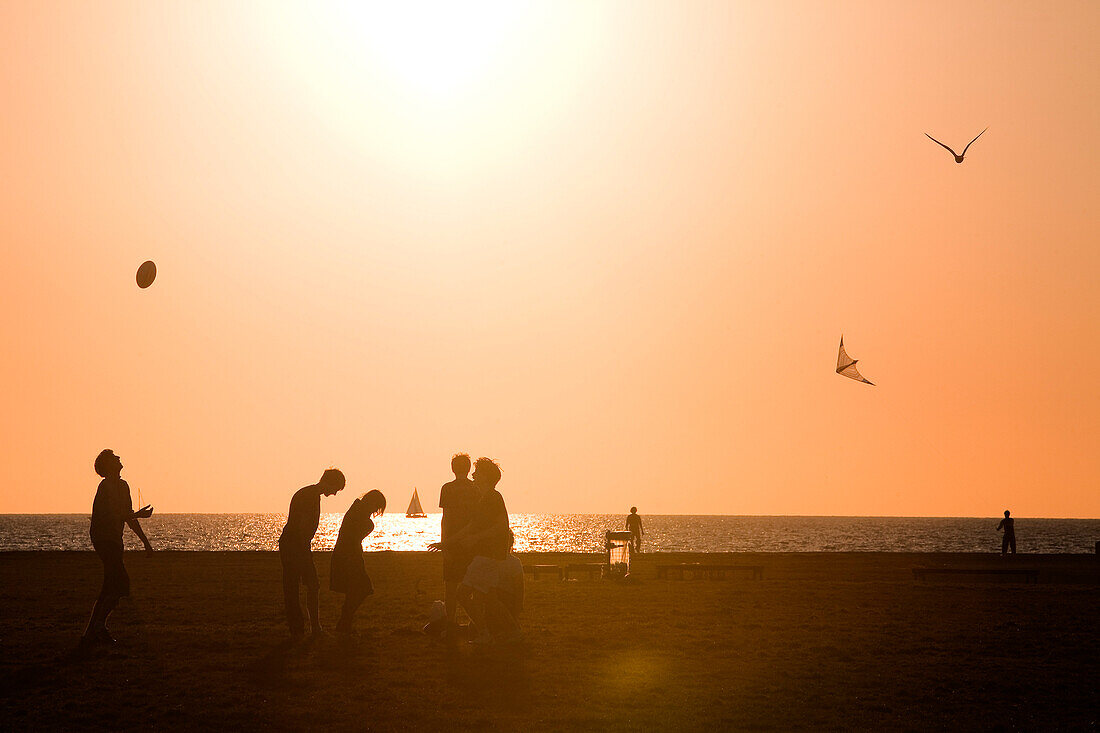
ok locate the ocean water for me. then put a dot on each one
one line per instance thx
(584, 533)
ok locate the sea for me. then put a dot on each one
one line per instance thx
(585, 533)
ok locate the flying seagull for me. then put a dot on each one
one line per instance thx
(846, 366)
(958, 158)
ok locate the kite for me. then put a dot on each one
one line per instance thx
(846, 366)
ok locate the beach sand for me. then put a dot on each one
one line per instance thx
(824, 640)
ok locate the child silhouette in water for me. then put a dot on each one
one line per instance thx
(348, 574)
(111, 509)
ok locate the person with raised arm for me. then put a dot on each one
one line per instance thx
(112, 509)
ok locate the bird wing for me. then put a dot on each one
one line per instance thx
(940, 144)
(972, 141)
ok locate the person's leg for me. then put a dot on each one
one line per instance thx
(97, 623)
(450, 600)
(313, 601)
(502, 624)
(290, 596)
(474, 603)
(1012, 544)
(1004, 545)
(352, 601)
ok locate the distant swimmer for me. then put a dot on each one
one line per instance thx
(1009, 540)
(634, 525)
(958, 158)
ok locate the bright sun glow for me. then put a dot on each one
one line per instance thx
(435, 49)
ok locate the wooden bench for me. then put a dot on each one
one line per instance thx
(537, 570)
(589, 568)
(1030, 575)
(709, 572)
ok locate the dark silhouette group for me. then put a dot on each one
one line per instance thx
(480, 573)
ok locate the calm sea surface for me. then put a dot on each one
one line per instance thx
(584, 533)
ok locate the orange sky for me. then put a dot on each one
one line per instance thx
(612, 245)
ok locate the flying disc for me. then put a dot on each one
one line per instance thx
(146, 274)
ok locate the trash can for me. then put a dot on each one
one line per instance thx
(617, 547)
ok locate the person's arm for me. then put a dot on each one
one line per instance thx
(641, 527)
(458, 536)
(1001, 524)
(136, 526)
(132, 516)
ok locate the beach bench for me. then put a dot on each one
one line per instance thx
(707, 571)
(1030, 575)
(589, 568)
(537, 570)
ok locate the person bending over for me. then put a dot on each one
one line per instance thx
(295, 545)
(348, 574)
(111, 509)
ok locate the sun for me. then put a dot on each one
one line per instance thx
(436, 50)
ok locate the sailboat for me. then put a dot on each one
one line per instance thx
(415, 511)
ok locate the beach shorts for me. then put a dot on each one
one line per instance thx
(298, 566)
(483, 575)
(348, 574)
(455, 564)
(116, 581)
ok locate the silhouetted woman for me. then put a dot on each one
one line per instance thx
(349, 574)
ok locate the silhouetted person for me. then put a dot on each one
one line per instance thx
(348, 573)
(487, 538)
(295, 545)
(1009, 539)
(634, 524)
(457, 500)
(111, 509)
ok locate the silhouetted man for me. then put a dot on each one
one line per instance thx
(111, 509)
(1009, 540)
(457, 500)
(634, 524)
(295, 550)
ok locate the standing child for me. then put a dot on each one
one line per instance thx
(111, 509)
(457, 499)
(348, 573)
(295, 550)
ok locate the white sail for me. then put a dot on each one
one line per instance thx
(415, 510)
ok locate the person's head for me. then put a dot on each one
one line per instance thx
(375, 501)
(107, 464)
(460, 464)
(486, 473)
(633, 510)
(1007, 513)
(332, 480)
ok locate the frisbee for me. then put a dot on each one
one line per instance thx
(146, 274)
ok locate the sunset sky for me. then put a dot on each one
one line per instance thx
(613, 245)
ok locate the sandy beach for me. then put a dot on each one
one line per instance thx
(822, 641)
